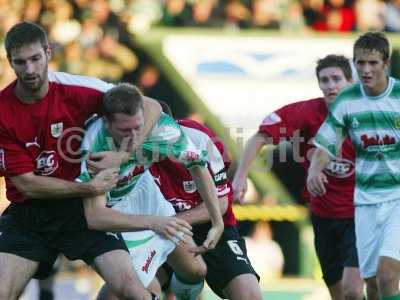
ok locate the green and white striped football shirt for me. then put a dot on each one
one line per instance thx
(373, 124)
(166, 140)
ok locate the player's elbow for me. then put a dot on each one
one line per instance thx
(94, 224)
(223, 205)
(91, 222)
(196, 169)
(29, 193)
(28, 186)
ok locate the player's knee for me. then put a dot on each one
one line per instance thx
(128, 293)
(196, 272)
(5, 293)
(200, 271)
(372, 288)
(254, 294)
(131, 289)
(243, 287)
(387, 278)
(353, 290)
(353, 294)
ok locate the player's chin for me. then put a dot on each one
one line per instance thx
(34, 87)
(367, 82)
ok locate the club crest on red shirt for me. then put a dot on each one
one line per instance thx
(189, 186)
(56, 129)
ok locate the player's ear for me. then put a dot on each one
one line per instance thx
(387, 65)
(106, 122)
(319, 84)
(47, 50)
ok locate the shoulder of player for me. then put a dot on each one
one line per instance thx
(7, 104)
(95, 137)
(166, 129)
(94, 123)
(396, 87)
(300, 107)
(78, 82)
(188, 123)
(93, 128)
(352, 92)
(202, 136)
(7, 93)
(310, 103)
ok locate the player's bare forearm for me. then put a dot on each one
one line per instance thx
(200, 214)
(41, 187)
(316, 179)
(250, 151)
(319, 160)
(152, 111)
(99, 217)
(207, 190)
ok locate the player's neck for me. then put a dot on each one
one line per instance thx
(28, 96)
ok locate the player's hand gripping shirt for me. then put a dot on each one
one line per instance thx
(373, 124)
(166, 140)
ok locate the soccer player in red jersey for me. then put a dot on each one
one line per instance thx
(332, 214)
(40, 119)
(229, 271)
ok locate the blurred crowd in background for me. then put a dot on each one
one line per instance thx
(94, 37)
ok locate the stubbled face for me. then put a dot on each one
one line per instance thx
(331, 81)
(30, 64)
(372, 71)
(125, 129)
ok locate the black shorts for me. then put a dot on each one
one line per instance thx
(67, 234)
(228, 259)
(335, 244)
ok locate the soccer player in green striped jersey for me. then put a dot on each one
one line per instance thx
(139, 210)
(369, 113)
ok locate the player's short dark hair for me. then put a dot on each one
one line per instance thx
(25, 33)
(373, 41)
(338, 61)
(124, 98)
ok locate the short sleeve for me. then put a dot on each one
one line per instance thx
(168, 140)
(91, 143)
(282, 123)
(332, 132)
(14, 159)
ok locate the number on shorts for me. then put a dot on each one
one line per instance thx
(235, 247)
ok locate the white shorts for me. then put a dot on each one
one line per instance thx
(148, 249)
(377, 234)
